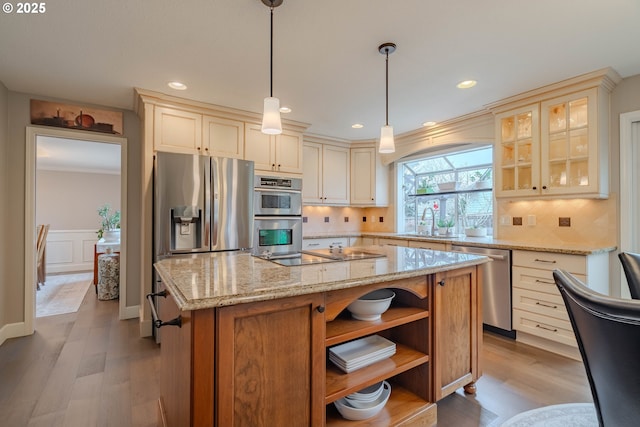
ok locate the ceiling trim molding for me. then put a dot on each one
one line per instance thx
(144, 96)
(607, 78)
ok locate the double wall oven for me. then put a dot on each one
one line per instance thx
(278, 217)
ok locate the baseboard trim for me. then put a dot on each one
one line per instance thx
(130, 312)
(12, 330)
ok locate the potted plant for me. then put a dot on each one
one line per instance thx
(110, 229)
(445, 226)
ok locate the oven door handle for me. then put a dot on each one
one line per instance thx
(277, 218)
(277, 190)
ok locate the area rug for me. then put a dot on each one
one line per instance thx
(62, 293)
(565, 415)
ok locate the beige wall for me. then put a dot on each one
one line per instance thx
(69, 200)
(18, 120)
(4, 280)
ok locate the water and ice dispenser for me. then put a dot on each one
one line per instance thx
(186, 228)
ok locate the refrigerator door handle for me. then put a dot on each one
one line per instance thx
(206, 176)
(213, 199)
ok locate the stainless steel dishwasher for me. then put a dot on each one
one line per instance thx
(496, 291)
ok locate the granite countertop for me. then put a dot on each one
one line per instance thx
(486, 242)
(220, 279)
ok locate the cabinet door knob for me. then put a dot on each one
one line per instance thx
(441, 282)
(198, 148)
(535, 188)
(320, 309)
(273, 165)
(544, 187)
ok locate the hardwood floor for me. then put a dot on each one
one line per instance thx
(90, 369)
(80, 369)
(516, 377)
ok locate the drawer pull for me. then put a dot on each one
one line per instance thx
(441, 282)
(546, 329)
(546, 305)
(544, 260)
(545, 282)
(320, 309)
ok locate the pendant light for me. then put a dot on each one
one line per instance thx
(271, 123)
(387, 145)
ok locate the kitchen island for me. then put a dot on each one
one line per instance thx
(252, 348)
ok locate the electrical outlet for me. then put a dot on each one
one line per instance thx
(346, 219)
(564, 221)
(364, 219)
(505, 220)
(381, 219)
(531, 220)
(305, 219)
(517, 220)
(326, 219)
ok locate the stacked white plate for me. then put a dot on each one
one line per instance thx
(362, 352)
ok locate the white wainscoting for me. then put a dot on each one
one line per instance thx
(70, 250)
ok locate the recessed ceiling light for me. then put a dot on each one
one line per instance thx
(428, 124)
(177, 85)
(285, 109)
(466, 84)
(357, 125)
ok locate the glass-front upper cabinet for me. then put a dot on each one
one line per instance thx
(517, 152)
(569, 144)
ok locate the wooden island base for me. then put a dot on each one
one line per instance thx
(265, 363)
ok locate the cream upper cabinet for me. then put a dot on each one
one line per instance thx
(273, 153)
(369, 179)
(223, 137)
(177, 131)
(572, 158)
(555, 142)
(326, 174)
(517, 153)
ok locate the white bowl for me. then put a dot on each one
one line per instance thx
(350, 413)
(365, 397)
(372, 305)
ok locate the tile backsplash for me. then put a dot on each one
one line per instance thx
(323, 219)
(591, 221)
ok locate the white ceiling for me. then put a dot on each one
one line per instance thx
(327, 67)
(73, 155)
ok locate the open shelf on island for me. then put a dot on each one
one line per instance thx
(345, 328)
(402, 407)
(340, 384)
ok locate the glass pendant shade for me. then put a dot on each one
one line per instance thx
(271, 123)
(387, 145)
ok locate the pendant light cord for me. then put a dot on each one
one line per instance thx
(387, 87)
(271, 57)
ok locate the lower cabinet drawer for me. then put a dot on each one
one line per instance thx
(540, 303)
(324, 243)
(392, 242)
(537, 280)
(545, 327)
(576, 264)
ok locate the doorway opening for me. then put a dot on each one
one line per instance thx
(67, 179)
(74, 178)
(629, 184)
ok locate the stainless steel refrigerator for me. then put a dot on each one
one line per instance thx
(201, 204)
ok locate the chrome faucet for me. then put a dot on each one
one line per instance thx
(433, 218)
